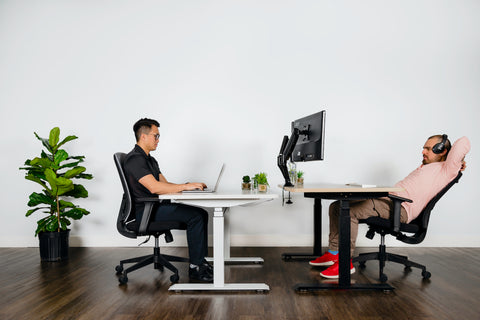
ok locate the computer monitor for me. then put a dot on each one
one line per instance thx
(306, 142)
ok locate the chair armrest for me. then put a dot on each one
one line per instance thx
(147, 200)
(147, 212)
(402, 199)
(397, 207)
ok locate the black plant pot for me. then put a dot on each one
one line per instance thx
(54, 245)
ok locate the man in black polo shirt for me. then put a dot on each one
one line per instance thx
(145, 178)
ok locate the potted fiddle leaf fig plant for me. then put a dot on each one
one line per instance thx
(54, 170)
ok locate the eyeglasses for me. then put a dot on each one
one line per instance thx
(157, 136)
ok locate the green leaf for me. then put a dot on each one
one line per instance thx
(44, 163)
(74, 172)
(44, 142)
(29, 212)
(59, 185)
(41, 224)
(70, 165)
(60, 155)
(51, 178)
(78, 191)
(54, 137)
(38, 198)
(76, 213)
(64, 223)
(52, 224)
(48, 156)
(37, 172)
(78, 159)
(35, 178)
(81, 158)
(67, 139)
(87, 176)
(65, 204)
(64, 185)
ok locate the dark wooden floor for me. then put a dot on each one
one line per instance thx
(86, 287)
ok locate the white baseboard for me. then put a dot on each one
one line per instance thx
(249, 240)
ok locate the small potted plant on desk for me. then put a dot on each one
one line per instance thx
(300, 177)
(262, 182)
(246, 183)
(54, 171)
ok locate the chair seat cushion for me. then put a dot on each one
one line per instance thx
(387, 224)
(158, 226)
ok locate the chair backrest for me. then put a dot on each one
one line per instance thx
(423, 218)
(126, 213)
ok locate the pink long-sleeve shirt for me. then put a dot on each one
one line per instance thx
(427, 180)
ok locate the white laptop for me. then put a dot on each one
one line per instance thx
(207, 190)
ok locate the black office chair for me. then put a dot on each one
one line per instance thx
(129, 227)
(417, 228)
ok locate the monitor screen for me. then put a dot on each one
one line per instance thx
(311, 138)
(306, 142)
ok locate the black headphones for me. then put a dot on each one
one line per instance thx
(440, 147)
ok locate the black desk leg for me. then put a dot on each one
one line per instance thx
(344, 279)
(344, 244)
(317, 228)
(317, 236)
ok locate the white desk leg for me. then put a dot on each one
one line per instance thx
(226, 239)
(226, 244)
(218, 248)
(219, 265)
(228, 257)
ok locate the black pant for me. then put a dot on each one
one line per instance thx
(196, 220)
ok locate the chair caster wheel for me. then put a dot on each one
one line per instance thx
(383, 278)
(123, 279)
(426, 275)
(174, 278)
(119, 269)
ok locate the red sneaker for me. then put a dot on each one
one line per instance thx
(332, 272)
(327, 259)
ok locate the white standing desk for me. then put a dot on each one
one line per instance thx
(221, 202)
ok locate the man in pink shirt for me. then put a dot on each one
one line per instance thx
(440, 165)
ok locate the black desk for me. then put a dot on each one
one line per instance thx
(345, 194)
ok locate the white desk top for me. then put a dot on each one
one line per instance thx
(220, 195)
(224, 199)
(333, 188)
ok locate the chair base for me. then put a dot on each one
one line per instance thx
(382, 256)
(159, 261)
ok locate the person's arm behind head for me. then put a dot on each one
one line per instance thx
(456, 157)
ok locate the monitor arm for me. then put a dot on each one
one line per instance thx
(285, 153)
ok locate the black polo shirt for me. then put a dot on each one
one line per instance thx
(138, 165)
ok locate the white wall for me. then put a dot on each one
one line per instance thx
(225, 78)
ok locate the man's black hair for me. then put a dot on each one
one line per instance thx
(144, 126)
